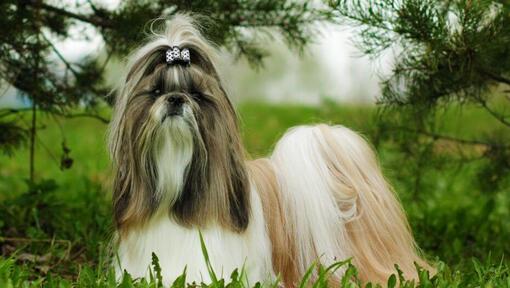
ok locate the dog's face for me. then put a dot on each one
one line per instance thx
(174, 139)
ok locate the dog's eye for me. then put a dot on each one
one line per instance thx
(196, 96)
(156, 93)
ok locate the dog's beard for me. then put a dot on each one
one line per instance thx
(172, 151)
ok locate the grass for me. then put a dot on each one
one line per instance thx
(56, 232)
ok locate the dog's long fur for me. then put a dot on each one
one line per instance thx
(319, 197)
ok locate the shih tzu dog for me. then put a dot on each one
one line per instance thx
(181, 168)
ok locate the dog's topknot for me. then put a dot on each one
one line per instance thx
(183, 29)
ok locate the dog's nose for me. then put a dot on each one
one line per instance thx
(175, 103)
(176, 100)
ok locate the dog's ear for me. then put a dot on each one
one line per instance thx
(237, 180)
(122, 200)
(134, 196)
(135, 174)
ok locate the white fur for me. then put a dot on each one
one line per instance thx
(173, 153)
(310, 206)
(309, 203)
(178, 247)
(316, 209)
(327, 176)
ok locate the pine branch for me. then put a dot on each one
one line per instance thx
(94, 8)
(60, 56)
(7, 112)
(33, 131)
(102, 119)
(451, 138)
(86, 115)
(91, 19)
(497, 78)
(361, 21)
(499, 117)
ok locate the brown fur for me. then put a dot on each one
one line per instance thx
(280, 232)
(216, 185)
(379, 236)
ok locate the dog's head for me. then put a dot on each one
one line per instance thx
(174, 137)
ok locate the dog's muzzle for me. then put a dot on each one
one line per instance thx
(175, 104)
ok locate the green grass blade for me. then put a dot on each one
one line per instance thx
(210, 269)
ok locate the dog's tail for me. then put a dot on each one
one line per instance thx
(339, 205)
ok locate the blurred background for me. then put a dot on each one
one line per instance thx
(330, 68)
(427, 82)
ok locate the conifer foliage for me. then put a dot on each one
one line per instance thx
(447, 53)
(29, 58)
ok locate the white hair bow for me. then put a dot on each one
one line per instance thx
(177, 55)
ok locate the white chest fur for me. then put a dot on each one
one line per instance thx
(178, 247)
